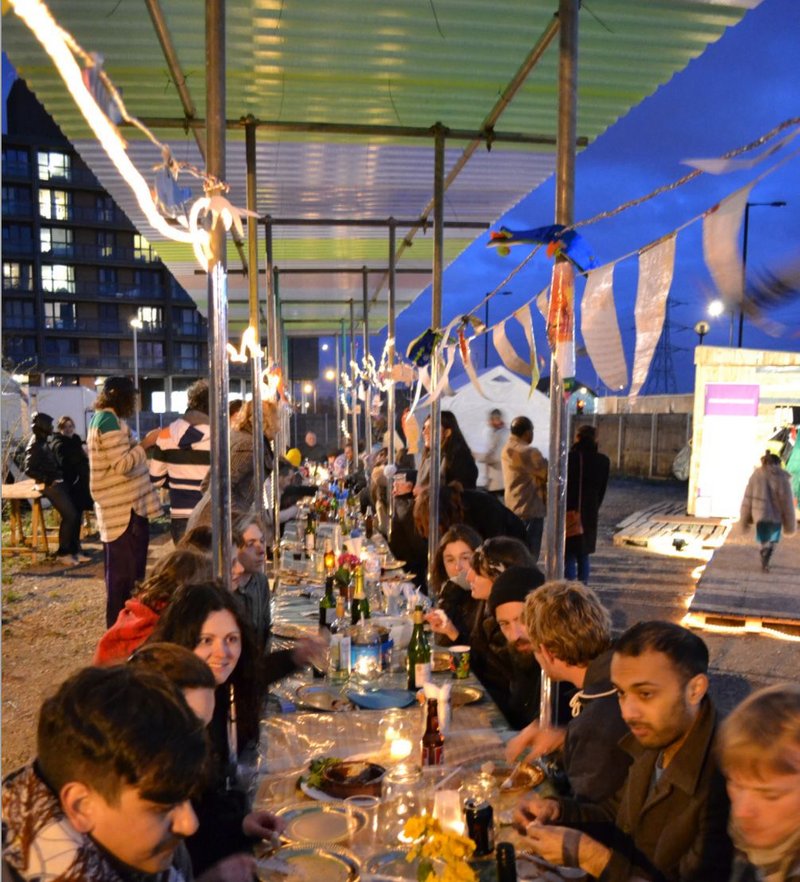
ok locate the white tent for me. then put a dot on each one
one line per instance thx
(503, 390)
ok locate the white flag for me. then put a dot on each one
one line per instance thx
(600, 328)
(721, 227)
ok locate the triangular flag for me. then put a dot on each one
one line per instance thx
(600, 328)
(656, 266)
(721, 227)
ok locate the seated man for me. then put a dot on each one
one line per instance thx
(570, 634)
(759, 751)
(119, 754)
(668, 822)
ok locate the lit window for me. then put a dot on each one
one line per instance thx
(142, 250)
(55, 240)
(17, 276)
(53, 165)
(55, 204)
(58, 278)
(150, 316)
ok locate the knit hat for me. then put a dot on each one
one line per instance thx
(514, 585)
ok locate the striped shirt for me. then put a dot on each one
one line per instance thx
(181, 459)
(119, 478)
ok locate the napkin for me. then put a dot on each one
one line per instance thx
(381, 699)
(442, 695)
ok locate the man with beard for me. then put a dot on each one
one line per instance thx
(507, 605)
(668, 822)
(119, 754)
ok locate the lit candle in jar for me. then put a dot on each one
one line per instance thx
(400, 748)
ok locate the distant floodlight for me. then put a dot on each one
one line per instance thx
(716, 308)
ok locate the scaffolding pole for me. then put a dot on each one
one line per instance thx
(391, 401)
(274, 354)
(367, 389)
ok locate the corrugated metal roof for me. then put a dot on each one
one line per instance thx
(369, 62)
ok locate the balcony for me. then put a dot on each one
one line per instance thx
(19, 322)
(77, 176)
(17, 208)
(189, 364)
(89, 215)
(18, 286)
(18, 247)
(13, 169)
(189, 329)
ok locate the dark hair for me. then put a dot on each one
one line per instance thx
(234, 406)
(197, 396)
(496, 555)
(122, 726)
(456, 445)
(770, 458)
(520, 425)
(63, 420)
(496, 412)
(177, 568)
(182, 623)
(451, 507)
(687, 652)
(587, 432)
(177, 663)
(118, 394)
(199, 537)
(456, 533)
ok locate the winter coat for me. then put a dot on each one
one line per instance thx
(134, 624)
(40, 462)
(587, 479)
(74, 465)
(768, 497)
(525, 476)
(181, 460)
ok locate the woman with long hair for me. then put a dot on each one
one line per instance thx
(458, 463)
(449, 576)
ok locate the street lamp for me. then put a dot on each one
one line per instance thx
(309, 389)
(330, 375)
(748, 205)
(136, 325)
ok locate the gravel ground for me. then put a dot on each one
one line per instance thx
(52, 618)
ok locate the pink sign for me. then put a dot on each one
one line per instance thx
(731, 399)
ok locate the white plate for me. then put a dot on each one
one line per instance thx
(308, 823)
(327, 862)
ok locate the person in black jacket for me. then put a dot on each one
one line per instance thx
(41, 465)
(458, 463)
(72, 459)
(587, 479)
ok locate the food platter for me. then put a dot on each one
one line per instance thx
(322, 698)
(461, 695)
(328, 862)
(315, 822)
(525, 777)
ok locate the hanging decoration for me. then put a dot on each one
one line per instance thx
(560, 318)
(723, 165)
(560, 241)
(469, 321)
(600, 328)
(721, 226)
(421, 349)
(656, 266)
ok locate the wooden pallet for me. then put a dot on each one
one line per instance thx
(745, 623)
(642, 527)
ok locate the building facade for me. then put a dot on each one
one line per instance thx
(76, 272)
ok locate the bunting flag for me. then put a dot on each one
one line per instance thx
(600, 328)
(722, 165)
(656, 266)
(560, 318)
(543, 302)
(508, 354)
(721, 226)
(466, 360)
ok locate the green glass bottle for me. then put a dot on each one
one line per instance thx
(359, 609)
(419, 654)
(327, 604)
(310, 534)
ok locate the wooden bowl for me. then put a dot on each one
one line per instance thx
(353, 778)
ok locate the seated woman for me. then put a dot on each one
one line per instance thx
(489, 655)
(206, 619)
(449, 578)
(138, 617)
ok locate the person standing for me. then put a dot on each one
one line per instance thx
(124, 497)
(525, 479)
(496, 436)
(73, 460)
(41, 465)
(768, 503)
(182, 458)
(587, 479)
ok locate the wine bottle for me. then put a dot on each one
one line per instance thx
(327, 604)
(419, 654)
(506, 862)
(359, 608)
(339, 669)
(310, 534)
(432, 740)
(369, 523)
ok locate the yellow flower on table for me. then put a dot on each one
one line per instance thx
(442, 855)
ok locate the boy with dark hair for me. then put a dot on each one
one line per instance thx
(119, 753)
(670, 817)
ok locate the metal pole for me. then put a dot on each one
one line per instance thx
(565, 198)
(256, 362)
(135, 325)
(391, 403)
(336, 384)
(436, 322)
(353, 391)
(274, 352)
(367, 390)
(218, 298)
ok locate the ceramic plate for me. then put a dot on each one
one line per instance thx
(392, 864)
(440, 661)
(314, 822)
(461, 695)
(322, 698)
(526, 778)
(326, 862)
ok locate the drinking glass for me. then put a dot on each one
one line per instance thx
(365, 840)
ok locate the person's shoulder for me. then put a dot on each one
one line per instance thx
(105, 421)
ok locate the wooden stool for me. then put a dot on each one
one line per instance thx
(26, 489)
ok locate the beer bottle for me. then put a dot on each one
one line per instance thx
(432, 740)
(419, 654)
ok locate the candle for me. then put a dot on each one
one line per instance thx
(400, 748)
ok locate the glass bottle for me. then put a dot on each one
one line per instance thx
(327, 604)
(310, 534)
(330, 558)
(359, 608)
(432, 740)
(369, 523)
(419, 654)
(339, 666)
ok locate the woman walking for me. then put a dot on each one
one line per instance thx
(768, 503)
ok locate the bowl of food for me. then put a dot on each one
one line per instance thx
(352, 778)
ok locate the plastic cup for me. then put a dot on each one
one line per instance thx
(459, 662)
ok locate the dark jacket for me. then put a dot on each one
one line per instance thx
(744, 871)
(488, 516)
(587, 479)
(677, 833)
(459, 465)
(595, 764)
(74, 464)
(40, 462)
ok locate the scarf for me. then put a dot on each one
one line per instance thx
(779, 863)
